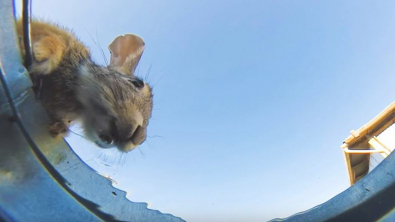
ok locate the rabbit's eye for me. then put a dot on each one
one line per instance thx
(137, 83)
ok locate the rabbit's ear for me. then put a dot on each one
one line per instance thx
(126, 51)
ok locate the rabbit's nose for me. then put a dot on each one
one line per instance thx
(128, 129)
(139, 135)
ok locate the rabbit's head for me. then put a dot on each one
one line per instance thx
(116, 104)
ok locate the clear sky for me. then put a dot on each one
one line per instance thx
(252, 98)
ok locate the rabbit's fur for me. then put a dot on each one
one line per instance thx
(113, 105)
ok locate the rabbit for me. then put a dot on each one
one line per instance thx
(113, 105)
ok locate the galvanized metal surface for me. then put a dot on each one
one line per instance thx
(41, 179)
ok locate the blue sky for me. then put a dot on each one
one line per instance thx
(252, 98)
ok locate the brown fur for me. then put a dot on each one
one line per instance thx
(113, 106)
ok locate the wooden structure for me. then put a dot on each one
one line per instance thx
(365, 148)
